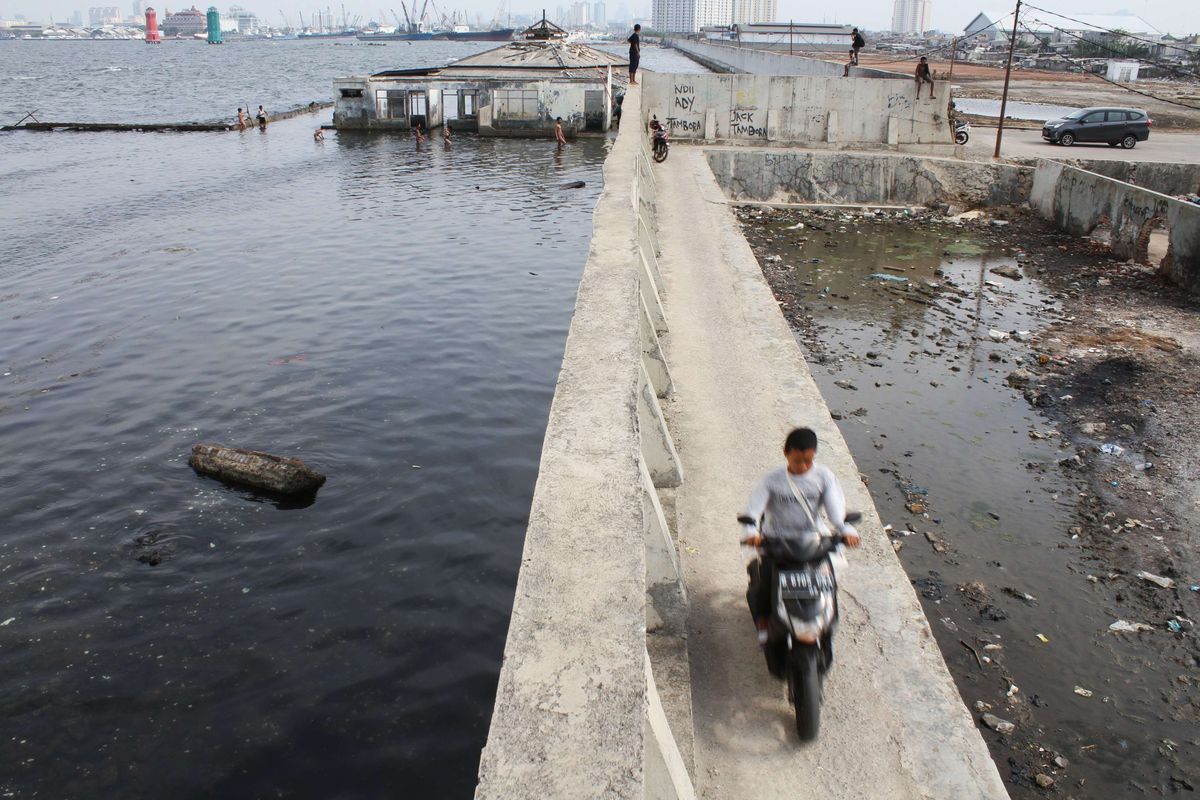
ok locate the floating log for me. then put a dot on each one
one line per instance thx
(168, 127)
(255, 469)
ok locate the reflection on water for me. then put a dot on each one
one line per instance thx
(393, 315)
(896, 318)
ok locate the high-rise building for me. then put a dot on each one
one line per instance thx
(137, 9)
(910, 16)
(599, 13)
(749, 12)
(103, 15)
(689, 16)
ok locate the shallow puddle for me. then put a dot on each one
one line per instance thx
(915, 328)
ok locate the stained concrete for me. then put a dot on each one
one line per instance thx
(570, 718)
(732, 58)
(791, 176)
(798, 109)
(1078, 201)
(894, 726)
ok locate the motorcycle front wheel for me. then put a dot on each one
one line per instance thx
(961, 137)
(806, 692)
(660, 152)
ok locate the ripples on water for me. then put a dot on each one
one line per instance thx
(357, 303)
(189, 81)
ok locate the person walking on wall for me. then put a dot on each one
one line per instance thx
(923, 75)
(635, 54)
(857, 42)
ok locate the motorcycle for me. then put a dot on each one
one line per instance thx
(804, 614)
(659, 141)
(962, 132)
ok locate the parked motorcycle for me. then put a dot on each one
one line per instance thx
(962, 131)
(804, 612)
(660, 144)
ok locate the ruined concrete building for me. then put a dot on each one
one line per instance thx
(515, 90)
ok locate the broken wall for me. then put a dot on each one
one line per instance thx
(1078, 202)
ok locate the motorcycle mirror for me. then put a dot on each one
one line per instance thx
(853, 517)
(745, 520)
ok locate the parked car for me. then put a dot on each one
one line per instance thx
(1112, 126)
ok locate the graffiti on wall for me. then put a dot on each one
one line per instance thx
(684, 119)
(749, 122)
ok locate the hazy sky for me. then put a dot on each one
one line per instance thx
(1174, 16)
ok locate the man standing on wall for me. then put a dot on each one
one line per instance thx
(857, 42)
(635, 54)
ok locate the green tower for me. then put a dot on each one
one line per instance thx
(214, 25)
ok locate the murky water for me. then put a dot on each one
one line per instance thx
(965, 470)
(1014, 110)
(394, 315)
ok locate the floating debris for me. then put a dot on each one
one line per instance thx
(258, 470)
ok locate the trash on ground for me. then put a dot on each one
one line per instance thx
(1082, 692)
(997, 336)
(880, 276)
(1042, 638)
(1125, 626)
(998, 725)
(1110, 449)
(1165, 583)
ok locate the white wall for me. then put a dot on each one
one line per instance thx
(797, 109)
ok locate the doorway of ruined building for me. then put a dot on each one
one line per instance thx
(1154, 243)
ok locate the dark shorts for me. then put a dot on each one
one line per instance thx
(633, 64)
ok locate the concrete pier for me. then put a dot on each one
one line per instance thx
(894, 724)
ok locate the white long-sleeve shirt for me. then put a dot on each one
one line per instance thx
(783, 516)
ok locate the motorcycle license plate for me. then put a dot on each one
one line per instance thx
(803, 584)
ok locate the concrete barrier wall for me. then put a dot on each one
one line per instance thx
(789, 176)
(1160, 176)
(577, 714)
(757, 61)
(1078, 201)
(806, 110)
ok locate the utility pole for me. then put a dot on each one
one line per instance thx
(953, 56)
(790, 23)
(1012, 44)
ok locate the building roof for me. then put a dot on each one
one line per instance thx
(540, 55)
(1046, 23)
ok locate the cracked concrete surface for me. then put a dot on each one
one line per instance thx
(894, 725)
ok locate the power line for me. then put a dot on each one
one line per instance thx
(1108, 30)
(1124, 86)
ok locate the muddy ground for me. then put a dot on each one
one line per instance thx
(1091, 390)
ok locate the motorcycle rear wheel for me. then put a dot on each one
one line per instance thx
(961, 137)
(660, 153)
(805, 683)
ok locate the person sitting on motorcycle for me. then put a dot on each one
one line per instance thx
(786, 504)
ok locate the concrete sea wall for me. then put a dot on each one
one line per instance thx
(808, 110)
(757, 61)
(1160, 176)
(797, 176)
(1078, 202)
(577, 712)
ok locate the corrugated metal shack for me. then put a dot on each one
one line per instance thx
(514, 90)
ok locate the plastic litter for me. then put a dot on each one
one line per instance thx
(1042, 638)
(1108, 448)
(997, 336)
(1145, 465)
(1082, 692)
(1195, 587)
(1174, 626)
(1125, 626)
(879, 276)
(1165, 583)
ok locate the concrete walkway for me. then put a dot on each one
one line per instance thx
(894, 725)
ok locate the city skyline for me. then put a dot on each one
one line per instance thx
(1179, 17)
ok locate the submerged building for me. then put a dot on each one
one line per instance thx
(514, 90)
